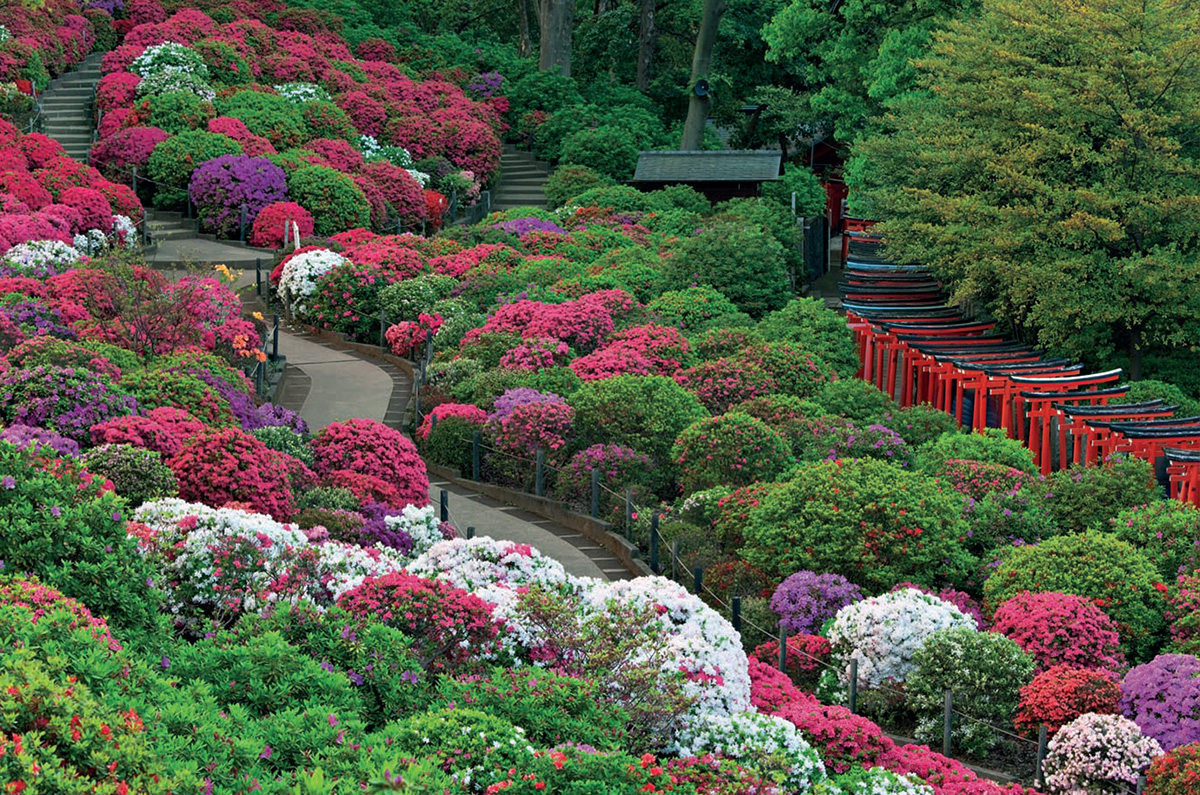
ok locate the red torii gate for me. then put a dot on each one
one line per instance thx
(1183, 470)
(1044, 409)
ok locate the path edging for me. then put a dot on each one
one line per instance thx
(595, 530)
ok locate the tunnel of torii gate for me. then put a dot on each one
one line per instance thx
(919, 350)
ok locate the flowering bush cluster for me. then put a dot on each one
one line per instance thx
(1098, 753)
(1060, 629)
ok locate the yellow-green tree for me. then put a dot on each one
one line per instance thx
(1049, 171)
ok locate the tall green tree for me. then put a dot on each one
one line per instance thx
(1049, 170)
(852, 55)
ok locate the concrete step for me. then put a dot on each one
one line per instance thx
(526, 173)
(166, 226)
(531, 193)
(165, 215)
(81, 91)
(172, 234)
(522, 182)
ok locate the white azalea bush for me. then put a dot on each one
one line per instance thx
(124, 231)
(420, 524)
(169, 56)
(702, 643)
(497, 572)
(873, 781)
(215, 564)
(884, 632)
(1098, 755)
(298, 281)
(171, 81)
(767, 743)
(42, 257)
(303, 92)
(91, 242)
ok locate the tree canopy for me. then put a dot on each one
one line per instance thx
(1048, 169)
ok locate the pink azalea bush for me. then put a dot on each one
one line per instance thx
(1060, 629)
(227, 465)
(465, 411)
(268, 228)
(35, 601)
(372, 448)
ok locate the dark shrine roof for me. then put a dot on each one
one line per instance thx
(693, 166)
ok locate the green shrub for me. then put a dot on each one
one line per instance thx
(774, 219)
(568, 181)
(920, 424)
(173, 161)
(547, 90)
(449, 444)
(855, 400)
(561, 124)
(376, 658)
(556, 709)
(291, 160)
(1080, 497)
(646, 413)
(225, 66)
(678, 197)
(458, 738)
(72, 536)
(992, 446)
(482, 389)
(736, 258)
(872, 523)
(730, 450)
(810, 196)
(327, 497)
(323, 119)
(606, 149)
(264, 674)
(173, 389)
(819, 329)
(984, 671)
(718, 343)
(796, 371)
(1141, 391)
(1098, 566)
(1167, 531)
(335, 202)
(635, 270)
(285, 440)
(137, 474)
(179, 111)
(278, 120)
(998, 517)
(405, 300)
(698, 309)
(673, 223)
(621, 198)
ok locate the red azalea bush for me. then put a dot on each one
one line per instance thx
(268, 229)
(771, 690)
(945, 775)
(1060, 629)
(450, 627)
(726, 382)
(372, 448)
(467, 411)
(140, 432)
(531, 427)
(843, 739)
(401, 191)
(93, 208)
(732, 449)
(65, 173)
(224, 465)
(806, 655)
(36, 600)
(116, 90)
(26, 189)
(977, 479)
(367, 488)
(1176, 772)
(641, 350)
(390, 254)
(252, 145)
(338, 152)
(1183, 614)
(1062, 693)
(118, 154)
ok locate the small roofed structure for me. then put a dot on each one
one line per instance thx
(720, 176)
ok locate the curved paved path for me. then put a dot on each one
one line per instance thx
(326, 383)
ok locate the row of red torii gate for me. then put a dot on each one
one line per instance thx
(919, 350)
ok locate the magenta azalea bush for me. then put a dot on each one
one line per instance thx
(1060, 629)
(371, 448)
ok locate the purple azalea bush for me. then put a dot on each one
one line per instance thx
(28, 436)
(486, 85)
(1163, 698)
(523, 226)
(806, 600)
(504, 405)
(222, 185)
(35, 318)
(271, 415)
(65, 399)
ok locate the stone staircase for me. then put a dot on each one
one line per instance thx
(67, 107)
(522, 178)
(164, 226)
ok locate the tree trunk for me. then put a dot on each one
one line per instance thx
(556, 19)
(525, 44)
(647, 42)
(697, 116)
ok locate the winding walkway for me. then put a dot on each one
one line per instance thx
(327, 383)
